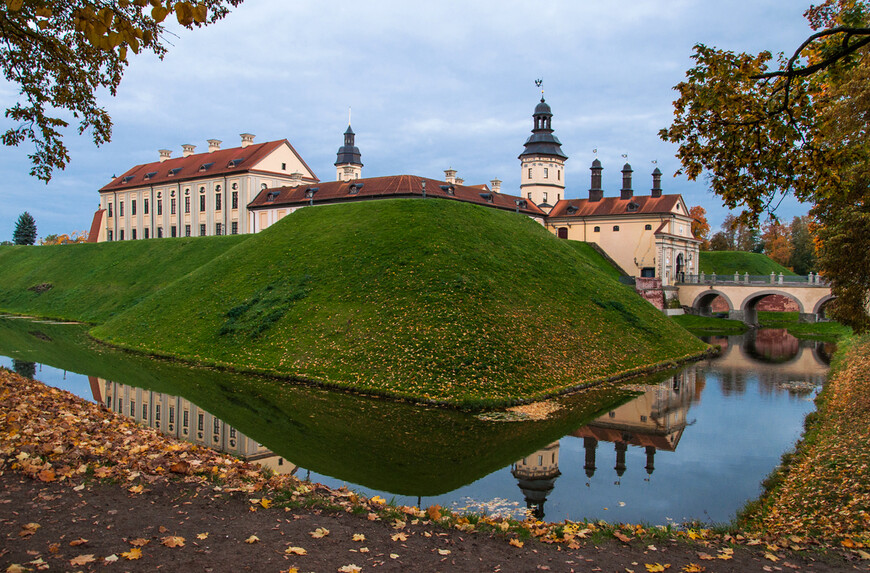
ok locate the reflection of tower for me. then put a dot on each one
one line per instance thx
(621, 447)
(590, 444)
(536, 475)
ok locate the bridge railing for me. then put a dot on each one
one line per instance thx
(811, 280)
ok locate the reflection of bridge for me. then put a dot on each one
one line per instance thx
(774, 355)
(743, 292)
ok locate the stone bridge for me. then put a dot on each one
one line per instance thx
(743, 292)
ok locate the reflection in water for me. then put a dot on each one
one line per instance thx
(536, 475)
(182, 419)
(24, 368)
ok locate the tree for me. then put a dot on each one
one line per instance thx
(60, 53)
(700, 226)
(719, 242)
(762, 128)
(777, 242)
(25, 230)
(803, 251)
(75, 237)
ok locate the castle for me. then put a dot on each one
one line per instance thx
(246, 189)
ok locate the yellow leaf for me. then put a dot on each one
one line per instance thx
(14, 5)
(137, 489)
(516, 542)
(359, 537)
(694, 568)
(349, 569)
(771, 557)
(252, 539)
(140, 542)
(434, 512)
(133, 554)
(656, 567)
(847, 543)
(82, 560)
(265, 503)
(399, 537)
(173, 541)
(202, 535)
(319, 533)
(443, 552)
(77, 542)
(28, 529)
(378, 500)
(295, 551)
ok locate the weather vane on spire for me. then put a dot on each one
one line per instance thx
(540, 84)
(348, 115)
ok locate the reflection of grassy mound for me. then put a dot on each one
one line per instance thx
(730, 262)
(427, 299)
(400, 448)
(91, 282)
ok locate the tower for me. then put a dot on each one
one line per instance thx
(542, 177)
(347, 164)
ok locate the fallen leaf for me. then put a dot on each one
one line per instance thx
(15, 568)
(394, 555)
(516, 542)
(349, 569)
(265, 503)
(173, 541)
(82, 560)
(771, 557)
(202, 535)
(434, 512)
(46, 476)
(401, 536)
(295, 551)
(252, 539)
(77, 542)
(319, 533)
(359, 537)
(111, 558)
(656, 567)
(693, 568)
(705, 556)
(132, 555)
(862, 554)
(621, 536)
(363, 549)
(28, 529)
(443, 552)
(141, 542)
(137, 488)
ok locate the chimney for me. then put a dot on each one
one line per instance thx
(247, 139)
(496, 185)
(450, 175)
(596, 193)
(187, 149)
(214, 145)
(626, 192)
(460, 181)
(295, 179)
(164, 154)
(657, 183)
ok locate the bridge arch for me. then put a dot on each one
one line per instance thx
(749, 304)
(819, 308)
(703, 301)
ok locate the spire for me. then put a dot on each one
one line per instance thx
(347, 162)
(542, 141)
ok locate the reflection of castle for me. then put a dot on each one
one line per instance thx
(180, 418)
(655, 420)
(536, 475)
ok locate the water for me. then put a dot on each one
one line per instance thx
(687, 445)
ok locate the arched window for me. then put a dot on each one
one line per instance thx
(616, 227)
(647, 227)
(596, 230)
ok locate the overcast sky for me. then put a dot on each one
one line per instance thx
(432, 85)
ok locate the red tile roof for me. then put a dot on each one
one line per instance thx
(96, 225)
(223, 162)
(382, 187)
(616, 206)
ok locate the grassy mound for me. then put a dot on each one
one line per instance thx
(425, 299)
(92, 282)
(729, 262)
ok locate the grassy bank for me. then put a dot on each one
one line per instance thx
(823, 489)
(431, 300)
(92, 282)
(730, 262)
(831, 331)
(706, 324)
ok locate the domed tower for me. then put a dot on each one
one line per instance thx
(536, 477)
(348, 165)
(543, 164)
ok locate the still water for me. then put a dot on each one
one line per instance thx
(692, 444)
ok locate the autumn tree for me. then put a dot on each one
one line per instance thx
(777, 242)
(763, 127)
(64, 239)
(60, 53)
(25, 230)
(700, 226)
(803, 251)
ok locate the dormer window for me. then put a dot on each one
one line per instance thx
(632, 207)
(205, 166)
(354, 188)
(150, 175)
(271, 196)
(174, 172)
(449, 189)
(235, 162)
(128, 178)
(572, 209)
(486, 197)
(309, 193)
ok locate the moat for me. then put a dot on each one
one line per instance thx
(692, 444)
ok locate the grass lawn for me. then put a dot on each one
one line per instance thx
(729, 262)
(790, 321)
(708, 324)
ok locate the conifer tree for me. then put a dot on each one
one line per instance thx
(25, 230)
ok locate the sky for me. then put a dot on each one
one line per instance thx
(432, 86)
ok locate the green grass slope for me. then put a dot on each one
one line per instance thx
(425, 299)
(729, 262)
(92, 282)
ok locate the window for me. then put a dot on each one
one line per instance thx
(202, 203)
(134, 234)
(218, 201)
(187, 204)
(121, 237)
(159, 232)
(234, 228)
(218, 228)
(132, 407)
(187, 230)
(235, 199)
(160, 206)
(186, 418)
(530, 172)
(232, 432)
(110, 209)
(545, 196)
(110, 234)
(172, 206)
(546, 173)
(172, 231)
(530, 194)
(147, 233)
(145, 207)
(283, 167)
(171, 414)
(596, 230)
(200, 422)
(647, 227)
(121, 209)
(217, 426)
(616, 227)
(156, 412)
(202, 230)
(133, 207)
(145, 411)
(558, 174)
